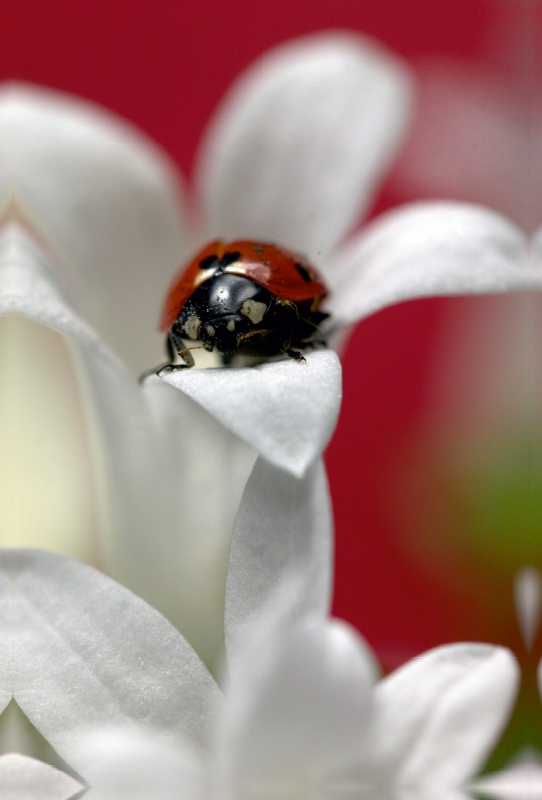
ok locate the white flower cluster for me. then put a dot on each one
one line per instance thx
(90, 237)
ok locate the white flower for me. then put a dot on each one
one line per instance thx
(127, 704)
(520, 780)
(92, 232)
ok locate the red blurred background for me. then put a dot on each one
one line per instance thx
(165, 66)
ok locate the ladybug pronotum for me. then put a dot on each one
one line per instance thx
(245, 298)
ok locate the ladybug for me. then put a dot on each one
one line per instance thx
(245, 298)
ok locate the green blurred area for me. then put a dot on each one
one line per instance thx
(495, 490)
(524, 731)
(471, 511)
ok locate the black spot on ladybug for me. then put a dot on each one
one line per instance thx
(303, 272)
(207, 262)
(229, 258)
(258, 249)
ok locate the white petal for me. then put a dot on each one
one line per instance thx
(536, 249)
(434, 794)
(300, 143)
(295, 710)
(106, 200)
(437, 718)
(131, 764)
(284, 528)
(474, 138)
(518, 781)
(428, 249)
(181, 568)
(84, 652)
(285, 410)
(24, 778)
(29, 286)
(528, 603)
(131, 481)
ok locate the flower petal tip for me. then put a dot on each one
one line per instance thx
(285, 410)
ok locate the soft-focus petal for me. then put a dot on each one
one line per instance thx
(283, 528)
(131, 764)
(287, 411)
(132, 492)
(296, 708)
(106, 200)
(428, 249)
(80, 651)
(536, 250)
(30, 286)
(476, 136)
(521, 780)
(181, 568)
(437, 718)
(24, 778)
(436, 794)
(299, 145)
(48, 491)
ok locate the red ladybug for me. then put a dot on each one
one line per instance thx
(244, 297)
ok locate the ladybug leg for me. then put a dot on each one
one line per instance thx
(155, 370)
(170, 349)
(152, 371)
(175, 343)
(167, 369)
(186, 356)
(295, 355)
(258, 332)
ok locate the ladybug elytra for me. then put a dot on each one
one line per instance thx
(245, 298)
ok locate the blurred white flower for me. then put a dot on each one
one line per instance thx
(25, 778)
(521, 779)
(148, 484)
(477, 134)
(130, 708)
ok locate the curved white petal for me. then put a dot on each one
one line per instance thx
(128, 764)
(181, 568)
(300, 143)
(284, 528)
(30, 286)
(296, 708)
(81, 651)
(105, 199)
(427, 249)
(437, 718)
(287, 411)
(24, 778)
(129, 471)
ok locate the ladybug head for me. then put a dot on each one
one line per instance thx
(223, 333)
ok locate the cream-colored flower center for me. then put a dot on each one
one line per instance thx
(46, 479)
